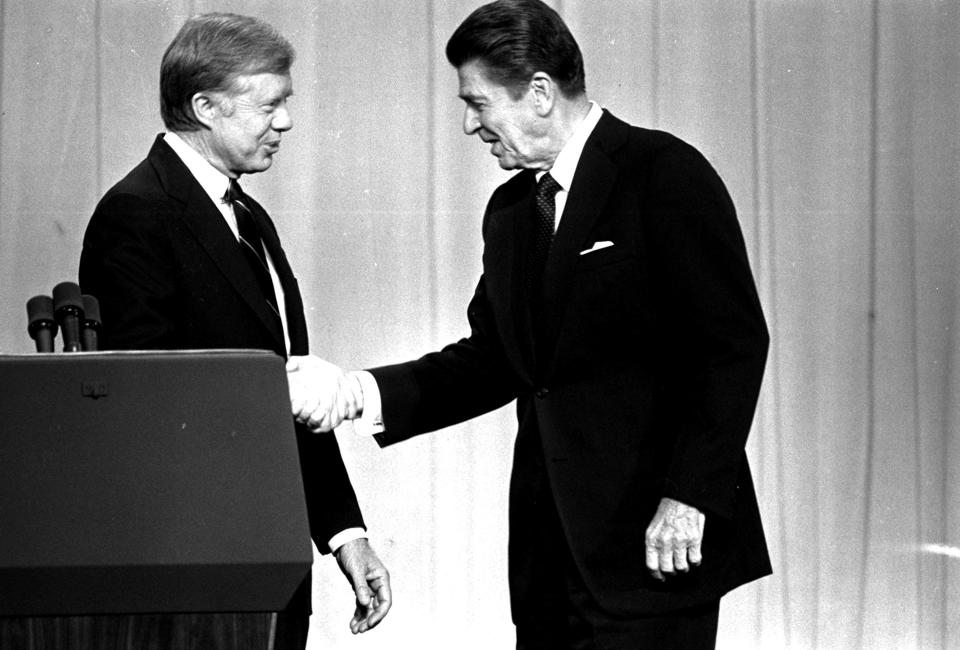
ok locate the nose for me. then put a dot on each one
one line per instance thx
(281, 119)
(471, 120)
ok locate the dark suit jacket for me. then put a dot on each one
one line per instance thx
(641, 383)
(169, 274)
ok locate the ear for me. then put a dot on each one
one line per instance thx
(544, 91)
(206, 108)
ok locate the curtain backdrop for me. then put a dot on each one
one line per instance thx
(836, 126)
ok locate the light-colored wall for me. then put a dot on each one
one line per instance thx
(835, 126)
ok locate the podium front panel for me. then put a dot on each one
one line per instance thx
(137, 482)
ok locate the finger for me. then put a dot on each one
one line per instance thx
(666, 558)
(377, 613)
(362, 591)
(311, 404)
(296, 407)
(696, 547)
(333, 417)
(319, 421)
(301, 412)
(696, 557)
(696, 554)
(303, 400)
(367, 618)
(361, 615)
(315, 418)
(358, 622)
(383, 601)
(323, 404)
(680, 560)
(653, 560)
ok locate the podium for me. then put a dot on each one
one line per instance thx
(149, 499)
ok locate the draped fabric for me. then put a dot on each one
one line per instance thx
(836, 126)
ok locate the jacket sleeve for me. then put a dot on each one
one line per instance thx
(459, 382)
(717, 322)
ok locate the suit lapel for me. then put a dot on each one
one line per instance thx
(589, 193)
(505, 252)
(206, 223)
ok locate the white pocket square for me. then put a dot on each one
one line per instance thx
(600, 245)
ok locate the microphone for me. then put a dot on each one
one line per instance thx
(68, 310)
(91, 323)
(41, 325)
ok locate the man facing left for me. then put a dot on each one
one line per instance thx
(180, 258)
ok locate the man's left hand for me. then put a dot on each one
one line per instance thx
(371, 583)
(673, 538)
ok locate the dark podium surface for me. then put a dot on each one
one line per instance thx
(139, 483)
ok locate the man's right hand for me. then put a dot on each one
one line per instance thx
(322, 396)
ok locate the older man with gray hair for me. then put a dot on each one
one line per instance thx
(181, 258)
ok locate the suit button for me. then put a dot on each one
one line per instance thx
(542, 392)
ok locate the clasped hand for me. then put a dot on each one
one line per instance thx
(322, 395)
(674, 539)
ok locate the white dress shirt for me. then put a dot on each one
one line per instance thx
(215, 184)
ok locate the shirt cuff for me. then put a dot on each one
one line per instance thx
(370, 421)
(345, 536)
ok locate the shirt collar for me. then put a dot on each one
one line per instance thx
(211, 179)
(566, 163)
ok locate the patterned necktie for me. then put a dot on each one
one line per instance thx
(251, 243)
(544, 219)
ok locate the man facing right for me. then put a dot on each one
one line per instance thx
(618, 307)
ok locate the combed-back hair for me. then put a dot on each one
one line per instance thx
(513, 39)
(208, 54)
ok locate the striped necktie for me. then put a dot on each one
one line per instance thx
(250, 242)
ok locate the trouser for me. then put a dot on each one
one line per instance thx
(565, 616)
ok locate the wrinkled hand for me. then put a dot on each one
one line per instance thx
(673, 538)
(322, 396)
(371, 583)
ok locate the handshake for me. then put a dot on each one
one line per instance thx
(322, 395)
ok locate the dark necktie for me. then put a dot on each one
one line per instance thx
(543, 214)
(251, 243)
(544, 218)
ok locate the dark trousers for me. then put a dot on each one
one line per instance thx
(584, 627)
(564, 616)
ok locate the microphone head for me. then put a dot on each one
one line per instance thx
(39, 308)
(40, 315)
(91, 310)
(66, 295)
(41, 324)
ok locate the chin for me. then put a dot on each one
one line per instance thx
(261, 165)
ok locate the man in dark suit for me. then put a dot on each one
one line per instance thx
(180, 258)
(618, 307)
